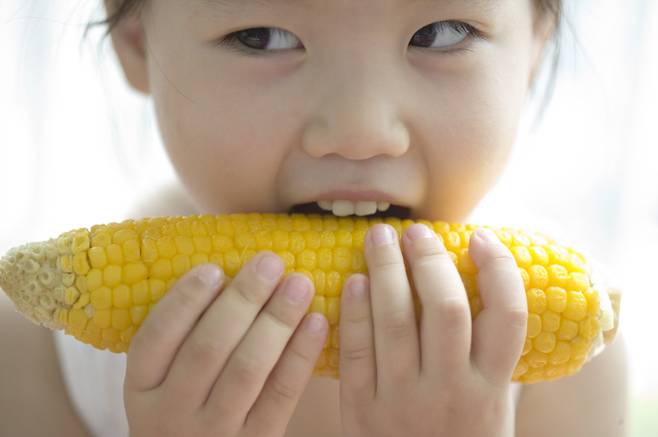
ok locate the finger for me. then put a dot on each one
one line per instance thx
(445, 329)
(396, 335)
(222, 327)
(242, 380)
(358, 370)
(499, 330)
(156, 342)
(285, 386)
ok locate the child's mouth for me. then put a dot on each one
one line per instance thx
(400, 212)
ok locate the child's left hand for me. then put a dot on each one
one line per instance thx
(435, 380)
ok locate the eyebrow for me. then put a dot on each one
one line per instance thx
(232, 6)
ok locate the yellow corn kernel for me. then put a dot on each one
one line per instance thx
(318, 305)
(538, 276)
(568, 330)
(333, 310)
(115, 274)
(557, 299)
(82, 301)
(101, 239)
(539, 255)
(94, 279)
(134, 272)
(560, 354)
(121, 296)
(180, 264)
(550, 321)
(122, 235)
(112, 275)
(80, 242)
(130, 250)
(522, 256)
(545, 342)
(576, 309)
(161, 269)
(80, 263)
(101, 298)
(114, 254)
(102, 318)
(97, 257)
(140, 293)
(78, 319)
(120, 319)
(71, 295)
(558, 275)
(536, 300)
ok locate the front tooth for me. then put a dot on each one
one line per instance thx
(343, 207)
(347, 207)
(365, 207)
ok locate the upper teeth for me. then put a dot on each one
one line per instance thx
(347, 207)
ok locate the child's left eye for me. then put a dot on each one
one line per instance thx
(445, 34)
(440, 36)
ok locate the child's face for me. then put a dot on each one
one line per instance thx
(362, 95)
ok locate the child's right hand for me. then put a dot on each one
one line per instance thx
(201, 366)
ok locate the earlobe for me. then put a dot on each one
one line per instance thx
(129, 41)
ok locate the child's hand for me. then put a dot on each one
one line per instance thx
(200, 365)
(436, 380)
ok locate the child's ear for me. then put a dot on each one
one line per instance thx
(544, 27)
(128, 39)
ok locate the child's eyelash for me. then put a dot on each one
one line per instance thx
(233, 43)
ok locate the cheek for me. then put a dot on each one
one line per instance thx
(472, 134)
(211, 143)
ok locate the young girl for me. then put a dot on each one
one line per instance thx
(263, 105)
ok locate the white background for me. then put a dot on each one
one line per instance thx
(77, 147)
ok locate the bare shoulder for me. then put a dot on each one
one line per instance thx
(592, 402)
(31, 385)
(169, 199)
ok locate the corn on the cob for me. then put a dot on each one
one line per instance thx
(99, 284)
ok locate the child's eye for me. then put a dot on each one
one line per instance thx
(261, 39)
(444, 34)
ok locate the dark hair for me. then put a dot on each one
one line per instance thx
(118, 9)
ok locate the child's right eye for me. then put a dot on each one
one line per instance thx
(260, 39)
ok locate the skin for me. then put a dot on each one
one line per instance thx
(261, 133)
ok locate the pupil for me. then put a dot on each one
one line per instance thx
(254, 37)
(425, 36)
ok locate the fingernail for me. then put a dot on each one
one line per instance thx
(381, 235)
(297, 289)
(486, 235)
(269, 267)
(419, 230)
(210, 274)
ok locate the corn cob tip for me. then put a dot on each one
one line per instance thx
(30, 277)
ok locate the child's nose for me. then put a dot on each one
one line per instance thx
(358, 121)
